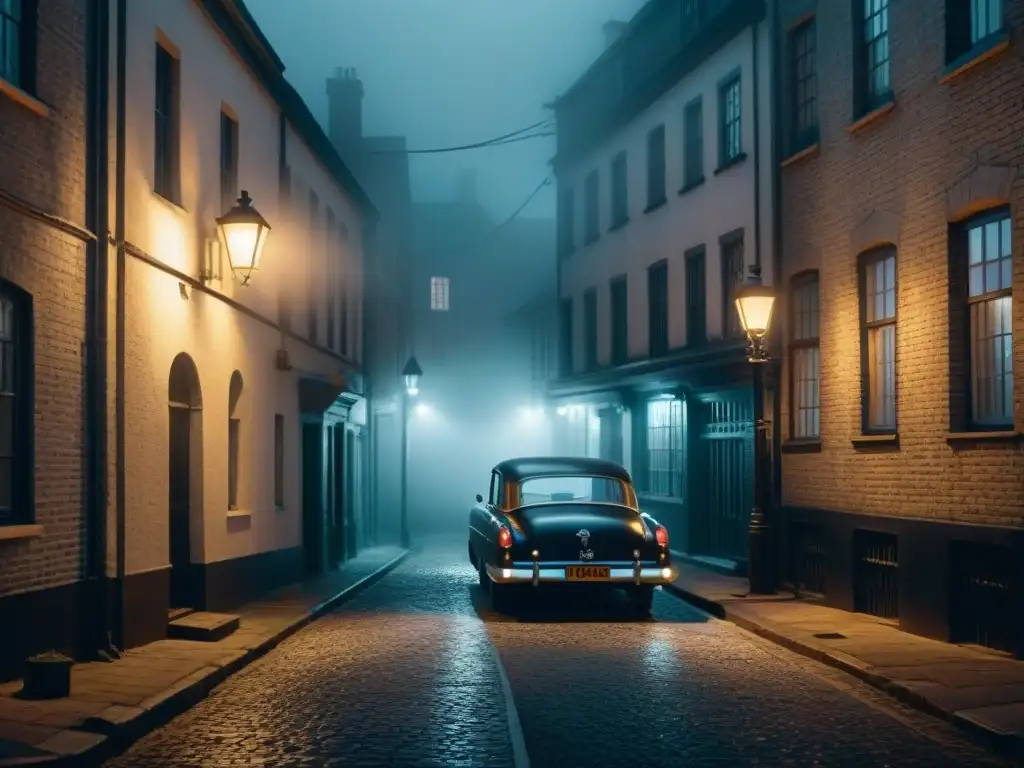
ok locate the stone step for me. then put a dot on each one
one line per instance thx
(203, 626)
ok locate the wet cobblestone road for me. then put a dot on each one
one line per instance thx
(406, 675)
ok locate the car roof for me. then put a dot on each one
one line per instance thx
(517, 470)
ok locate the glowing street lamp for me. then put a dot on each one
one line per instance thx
(243, 233)
(412, 373)
(754, 303)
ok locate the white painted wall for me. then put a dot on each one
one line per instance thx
(722, 204)
(162, 323)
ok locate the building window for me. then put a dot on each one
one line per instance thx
(805, 363)
(234, 437)
(590, 329)
(17, 43)
(656, 167)
(878, 339)
(332, 285)
(228, 161)
(803, 83)
(342, 286)
(165, 179)
(990, 280)
(696, 304)
(284, 309)
(620, 191)
(730, 142)
(657, 308)
(733, 265)
(278, 460)
(566, 222)
(16, 451)
(969, 22)
(565, 331)
(873, 87)
(665, 448)
(592, 213)
(619, 320)
(314, 277)
(693, 138)
(439, 294)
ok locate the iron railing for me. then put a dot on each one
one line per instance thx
(876, 574)
(985, 596)
(807, 553)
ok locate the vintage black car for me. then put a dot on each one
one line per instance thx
(566, 521)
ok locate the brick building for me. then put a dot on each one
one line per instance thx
(903, 242)
(47, 254)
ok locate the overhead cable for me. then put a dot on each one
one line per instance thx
(507, 138)
(510, 219)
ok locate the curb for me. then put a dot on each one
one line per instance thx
(115, 738)
(1006, 744)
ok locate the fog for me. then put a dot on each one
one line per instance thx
(446, 73)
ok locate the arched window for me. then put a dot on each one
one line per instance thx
(234, 438)
(16, 461)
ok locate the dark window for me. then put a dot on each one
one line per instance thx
(566, 222)
(696, 301)
(342, 285)
(17, 43)
(656, 167)
(278, 460)
(969, 22)
(878, 339)
(730, 140)
(620, 190)
(234, 437)
(693, 152)
(733, 265)
(803, 83)
(665, 448)
(593, 222)
(990, 303)
(565, 331)
(331, 268)
(619, 320)
(590, 329)
(872, 82)
(657, 308)
(313, 261)
(165, 179)
(16, 452)
(283, 299)
(228, 162)
(805, 363)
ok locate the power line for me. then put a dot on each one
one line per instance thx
(507, 138)
(510, 219)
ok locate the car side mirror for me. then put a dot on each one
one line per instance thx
(479, 499)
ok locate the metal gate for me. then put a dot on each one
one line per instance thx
(721, 485)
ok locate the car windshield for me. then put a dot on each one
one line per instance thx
(572, 488)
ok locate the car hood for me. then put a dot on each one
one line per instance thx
(557, 530)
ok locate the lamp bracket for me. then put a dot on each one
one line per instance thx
(212, 262)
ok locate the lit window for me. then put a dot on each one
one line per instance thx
(439, 294)
(878, 339)
(234, 438)
(804, 357)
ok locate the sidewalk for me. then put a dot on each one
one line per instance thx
(113, 704)
(979, 690)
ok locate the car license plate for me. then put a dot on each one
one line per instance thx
(588, 573)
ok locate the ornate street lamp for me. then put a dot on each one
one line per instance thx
(755, 302)
(411, 373)
(243, 233)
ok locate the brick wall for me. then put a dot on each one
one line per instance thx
(898, 174)
(42, 162)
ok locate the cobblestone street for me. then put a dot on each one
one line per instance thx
(406, 674)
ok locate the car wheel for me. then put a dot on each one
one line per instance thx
(642, 599)
(481, 573)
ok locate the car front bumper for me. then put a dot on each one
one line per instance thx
(621, 574)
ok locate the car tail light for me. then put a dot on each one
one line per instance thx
(504, 537)
(661, 534)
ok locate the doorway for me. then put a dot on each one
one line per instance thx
(184, 476)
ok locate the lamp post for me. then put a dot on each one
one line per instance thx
(755, 303)
(411, 373)
(243, 233)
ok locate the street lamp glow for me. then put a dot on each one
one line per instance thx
(423, 410)
(531, 413)
(243, 234)
(411, 373)
(561, 410)
(754, 303)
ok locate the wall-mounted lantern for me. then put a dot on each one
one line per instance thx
(243, 234)
(412, 373)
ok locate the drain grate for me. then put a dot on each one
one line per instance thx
(830, 636)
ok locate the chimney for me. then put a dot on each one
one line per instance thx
(467, 185)
(345, 108)
(612, 31)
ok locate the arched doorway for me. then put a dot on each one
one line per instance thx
(185, 398)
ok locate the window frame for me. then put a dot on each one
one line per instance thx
(330, 284)
(342, 287)
(696, 256)
(693, 143)
(619, 325)
(962, 40)
(590, 330)
(727, 122)
(279, 456)
(566, 222)
(661, 348)
(25, 38)
(803, 84)
(657, 177)
(865, 261)
(867, 99)
(620, 190)
(733, 276)
(565, 337)
(167, 153)
(229, 191)
(676, 449)
(440, 293)
(313, 284)
(797, 344)
(592, 208)
(22, 509)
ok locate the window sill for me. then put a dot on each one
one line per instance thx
(25, 99)
(233, 513)
(691, 185)
(731, 163)
(812, 151)
(802, 445)
(875, 114)
(17, 532)
(619, 224)
(652, 207)
(169, 203)
(981, 52)
(965, 439)
(880, 441)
